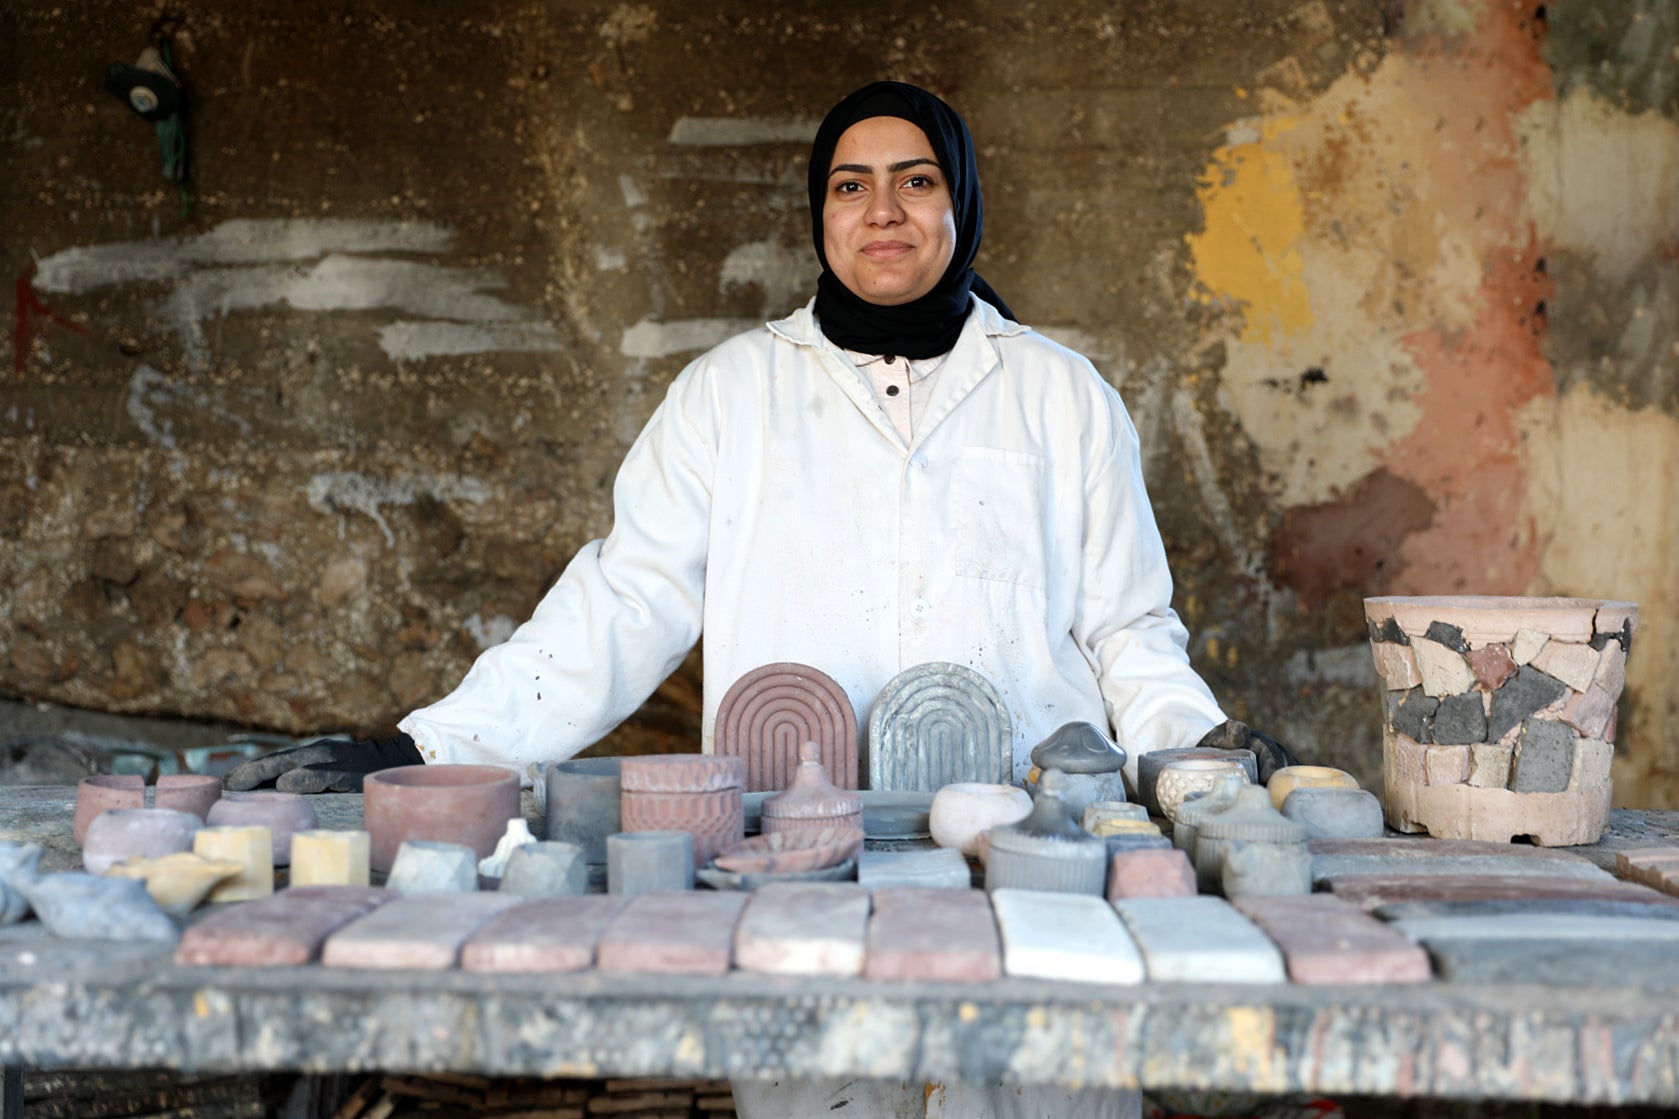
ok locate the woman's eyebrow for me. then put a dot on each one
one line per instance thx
(901, 165)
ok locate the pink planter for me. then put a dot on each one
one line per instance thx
(696, 793)
(283, 814)
(467, 804)
(182, 792)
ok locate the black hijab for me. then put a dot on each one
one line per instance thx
(927, 326)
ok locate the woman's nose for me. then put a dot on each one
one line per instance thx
(884, 208)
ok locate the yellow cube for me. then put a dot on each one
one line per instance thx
(252, 848)
(329, 858)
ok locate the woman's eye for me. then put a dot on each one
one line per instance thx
(919, 182)
(848, 188)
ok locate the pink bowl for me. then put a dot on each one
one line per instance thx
(468, 804)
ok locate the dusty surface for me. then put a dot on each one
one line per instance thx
(1389, 288)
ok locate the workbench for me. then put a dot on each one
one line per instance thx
(86, 1004)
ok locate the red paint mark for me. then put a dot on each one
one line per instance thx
(30, 308)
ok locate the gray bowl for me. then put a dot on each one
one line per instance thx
(583, 798)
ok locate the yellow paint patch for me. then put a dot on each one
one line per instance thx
(1249, 252)
(200, 1005)
(967, 1012)
(1253, 1043)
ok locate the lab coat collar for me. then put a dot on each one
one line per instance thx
(971, 360)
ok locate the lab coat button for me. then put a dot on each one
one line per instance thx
(919, 461)
(921, 608)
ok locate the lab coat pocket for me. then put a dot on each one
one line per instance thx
(1002, 516)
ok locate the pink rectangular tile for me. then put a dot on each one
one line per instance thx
(282, 930)
(804, 928)
(553, 934)
(1327, 940)
(919, 933)
(423, 931)
(1656, 867)
(1150, 874)
(686, 933)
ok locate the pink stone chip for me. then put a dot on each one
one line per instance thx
(686, 933)
(771, 711)
(1371, 891)
(1328, 940)
(281, 930)
(1150, 874)
(424, 931)
(1492, 665)
(918, 933)
(1445, 765)
(1588, 712)
(553, 934)
(1408, 759)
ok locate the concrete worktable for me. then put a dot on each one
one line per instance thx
(119, 1005)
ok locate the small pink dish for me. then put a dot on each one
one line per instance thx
(182, 792)
(792, 852)
(283, 814)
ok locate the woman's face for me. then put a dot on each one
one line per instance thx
(887, 225)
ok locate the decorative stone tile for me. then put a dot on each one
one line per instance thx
(1337, 857)
(1528, 691)
(1527, 644)
(282, 930)
(804, 928)
(1150, 874)
(1444, 670)
(1544, 759)
(939, 935)
(1396, 665)
(1460, 720)
(1414, 717)
(1408, 757)
(1492, 665)
(688, 933)
(1378, 891)
(767, 714)
(1325, 939)
(937, 724)
(1612, 669)
(1572, 961)
(1199, 940)
(551, 934)
(1656, 867)
(1588, 711)
(939, 868)
(1574, 665)
(1446, 765)
(1071, 937)
(1444, 633)
(1489, 765)
(420, 931)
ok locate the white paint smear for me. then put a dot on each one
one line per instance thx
(341, 491)
(408, 341)
(648, 338)
(723, 132)
(87, 267)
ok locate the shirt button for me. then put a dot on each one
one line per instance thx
(921, 608)
(919, 461)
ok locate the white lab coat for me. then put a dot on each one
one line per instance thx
(770, 504)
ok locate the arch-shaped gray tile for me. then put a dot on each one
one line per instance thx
(939, 723)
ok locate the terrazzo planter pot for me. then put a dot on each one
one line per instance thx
(583, 796)
(125, 833)
(283, 814)
(1150, 764)
(182, 792)
(1190, 775)
(1292, 777)
(465, 804)
(1046, 850)
(965, 811)
(1498, 714)
(701, 794)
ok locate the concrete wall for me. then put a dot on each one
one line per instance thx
(1391, 289)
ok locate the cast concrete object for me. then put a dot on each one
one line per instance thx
(771, 712)
(937, 724)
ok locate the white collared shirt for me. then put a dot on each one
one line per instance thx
(902, 385)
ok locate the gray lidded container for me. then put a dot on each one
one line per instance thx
(583, 800)
(1047, 850)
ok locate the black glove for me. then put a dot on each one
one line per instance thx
(1232, 734)
(327, 765)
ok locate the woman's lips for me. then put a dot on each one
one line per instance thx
(885, 250)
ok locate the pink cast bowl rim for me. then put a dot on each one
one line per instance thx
(470, 776)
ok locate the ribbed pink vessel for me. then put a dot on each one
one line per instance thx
(700, 794)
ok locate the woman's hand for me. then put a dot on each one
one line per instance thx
(327, 765)
(1233, 734)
